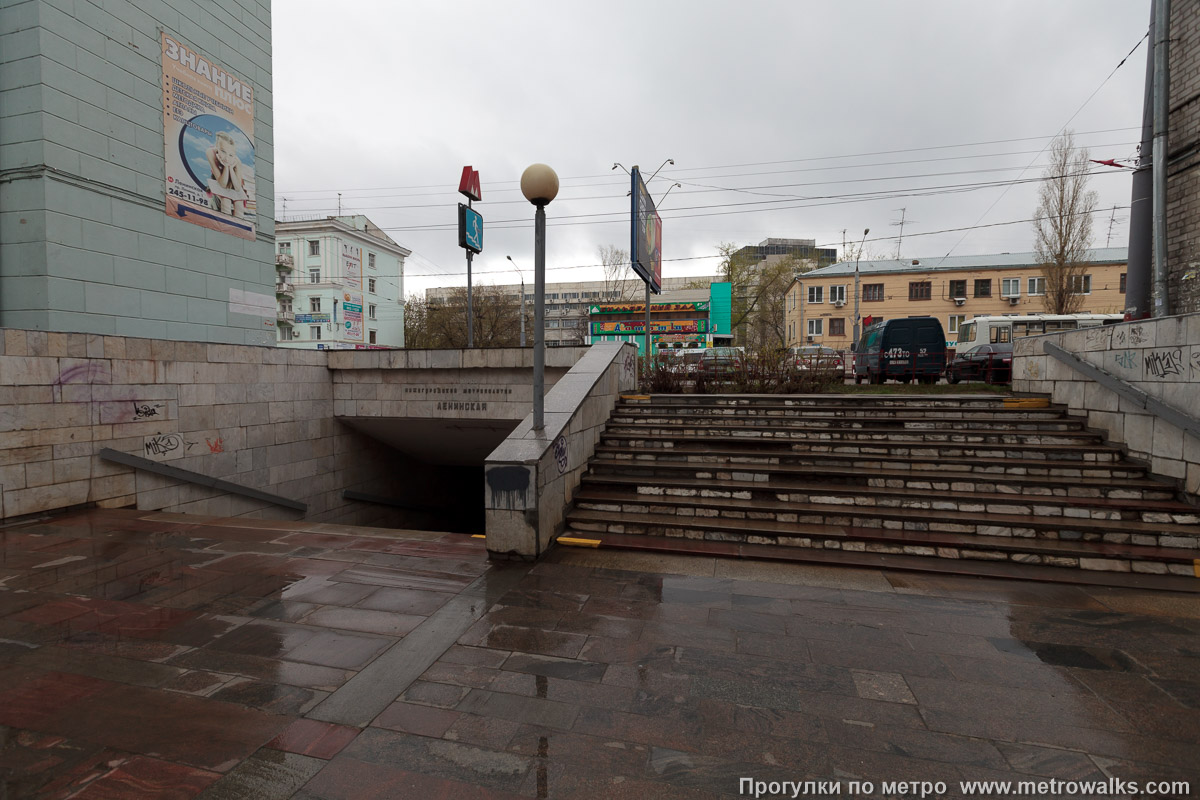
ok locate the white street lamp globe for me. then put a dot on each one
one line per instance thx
(539, 184)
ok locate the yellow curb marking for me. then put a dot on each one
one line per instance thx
(576, 542)
(1026, 402)
(478, 536)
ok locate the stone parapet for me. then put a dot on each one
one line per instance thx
(531, 478)
(1159, 358)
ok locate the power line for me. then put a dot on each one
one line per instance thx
(820, 245)
(442, 186)
(1060, 130)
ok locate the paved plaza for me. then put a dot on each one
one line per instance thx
(158, 655)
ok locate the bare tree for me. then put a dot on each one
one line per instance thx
(416, 322)
(1063, 225)
(497, 320)
(620, 284)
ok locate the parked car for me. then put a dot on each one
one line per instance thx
(991, 363)
(814, 358)
(722, 363)
(904, 349)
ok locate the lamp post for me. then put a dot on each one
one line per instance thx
(539, 184)
(522, 274)
(857, 256)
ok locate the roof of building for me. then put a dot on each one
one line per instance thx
(1100, 255)
(357, 223)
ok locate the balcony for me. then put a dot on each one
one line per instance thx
(284, 288)
(285, 317)
(284, 261)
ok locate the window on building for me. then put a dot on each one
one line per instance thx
(371, 312)
(286, 333)
(371, 338)
(837, 294)
(285, 248)
(837, 327)
(873, 292)
(314, 332)
(920, 290)
(314, 304)
(1010, 287)
(792, 298)
(1037, 286)
(371, 260)
(815, 326)
(371, 285)
(955, 322)
(314, 274)
(816, 294)
(958, 288)
(1081, 284)
(285, 305)
(314, 247)
(1122, 290)
(983, 287)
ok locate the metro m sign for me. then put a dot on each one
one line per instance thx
(469, 183)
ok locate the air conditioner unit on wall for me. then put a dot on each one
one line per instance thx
(839, 303)
(958, 301)
(1012, 301)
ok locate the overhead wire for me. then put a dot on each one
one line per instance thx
(1103, 83)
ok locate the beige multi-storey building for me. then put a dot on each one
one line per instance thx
(820, 303)
(566, 320)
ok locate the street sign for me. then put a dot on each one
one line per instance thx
(469, 184)
(470, 229)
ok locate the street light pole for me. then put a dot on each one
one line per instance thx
(522, 274)
(857, 256)
(539, 184)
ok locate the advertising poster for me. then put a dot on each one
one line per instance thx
(352, 310)
(352, 266)
(208, 138)
(646, 247)
(657, 326)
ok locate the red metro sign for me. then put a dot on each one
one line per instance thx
(469, 184)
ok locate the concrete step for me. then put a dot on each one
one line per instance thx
(884, 404)
(1008, 570)
(770, 447)
(830, 476)
(684, 417)
(962, 484)
(992, 519)
(834, 433)
(1076, 554)
(864, 495)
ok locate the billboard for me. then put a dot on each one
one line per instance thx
(646, 247)
(208, 142)
(352, 310)
(657, 326)
(351, 266)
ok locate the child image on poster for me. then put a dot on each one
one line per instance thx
(227, 185)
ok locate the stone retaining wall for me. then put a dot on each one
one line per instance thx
(260, 417)
(1160, 357)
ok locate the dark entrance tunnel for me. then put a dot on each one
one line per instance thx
(437, 466)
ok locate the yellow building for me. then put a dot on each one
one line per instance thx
(820, 303)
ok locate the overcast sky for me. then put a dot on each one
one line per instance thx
(780, 116)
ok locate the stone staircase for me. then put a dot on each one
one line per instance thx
(962, 484)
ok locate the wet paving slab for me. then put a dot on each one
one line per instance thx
(167, 655)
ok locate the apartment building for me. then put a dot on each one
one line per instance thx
(820, 303)
(567, 304)
(339, 284)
